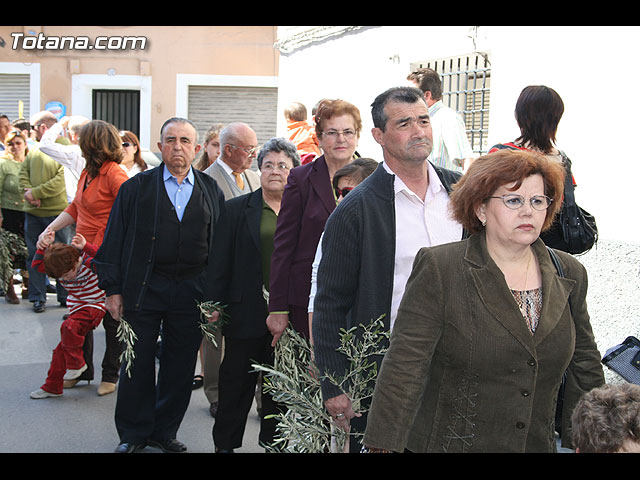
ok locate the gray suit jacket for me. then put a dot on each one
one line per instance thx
(223, 180)
(464, 374)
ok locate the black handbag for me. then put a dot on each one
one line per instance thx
(574, 229)
(578, 227)
(624, 359)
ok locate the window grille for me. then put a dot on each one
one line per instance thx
(466, 81)
(118, 107)
(13, 89)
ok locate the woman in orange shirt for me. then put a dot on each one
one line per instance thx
(97, 189)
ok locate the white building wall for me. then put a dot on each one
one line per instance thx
(592, 68)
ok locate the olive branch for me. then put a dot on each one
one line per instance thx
(127, 337)
(209, 328)
(305, 426)
(13, 252)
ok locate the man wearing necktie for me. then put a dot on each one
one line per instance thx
(233, 174)
(239, 180)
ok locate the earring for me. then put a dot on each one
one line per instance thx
(484, 222)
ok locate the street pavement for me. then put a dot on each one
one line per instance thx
(79, 421)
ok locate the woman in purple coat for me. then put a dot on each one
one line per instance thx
(307, 202)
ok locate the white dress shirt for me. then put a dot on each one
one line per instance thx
(418, 224)
(69, 156)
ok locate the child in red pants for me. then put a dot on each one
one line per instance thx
(72, 266)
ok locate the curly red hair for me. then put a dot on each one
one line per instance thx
(60, 258)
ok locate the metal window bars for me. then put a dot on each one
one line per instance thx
(466, 81)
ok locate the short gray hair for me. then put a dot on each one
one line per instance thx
(277, 145)
(178, 120)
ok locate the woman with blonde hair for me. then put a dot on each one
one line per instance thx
(210, 148)
(12, 204)
(11, 195)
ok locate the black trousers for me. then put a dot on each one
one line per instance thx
(146, 408)
(237, 386)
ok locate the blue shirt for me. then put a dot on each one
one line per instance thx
(179, 193)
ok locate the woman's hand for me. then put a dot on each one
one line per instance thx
(276, 323)
(45, 239)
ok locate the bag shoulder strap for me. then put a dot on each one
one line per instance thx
(566, 160)
(508, 145)
(556, 262)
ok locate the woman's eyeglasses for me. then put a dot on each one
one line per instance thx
(334, 134)
(514, 201)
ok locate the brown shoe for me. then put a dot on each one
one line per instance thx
(10, 295)
(106, 388)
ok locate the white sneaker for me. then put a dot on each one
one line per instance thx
(73, 374)
(43, 394)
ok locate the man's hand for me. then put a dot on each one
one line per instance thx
(276, 323)
(215, 316)
(28, 195)
(340, 410)
(114, 306)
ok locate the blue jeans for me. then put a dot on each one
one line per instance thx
(33, 227)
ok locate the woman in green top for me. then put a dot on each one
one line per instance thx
(11, 196)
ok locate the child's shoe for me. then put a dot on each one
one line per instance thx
(43, 394)
(73, 374)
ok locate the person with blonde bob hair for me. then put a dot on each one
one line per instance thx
(487, 327)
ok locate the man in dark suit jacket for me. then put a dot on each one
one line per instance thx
(243, 247)
(232, 172)
(153, 268)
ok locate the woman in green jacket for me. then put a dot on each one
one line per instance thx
(12, 202)
(487, 327)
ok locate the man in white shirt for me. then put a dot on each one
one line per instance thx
(69, 156)
(372, 237)
(451, 148)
